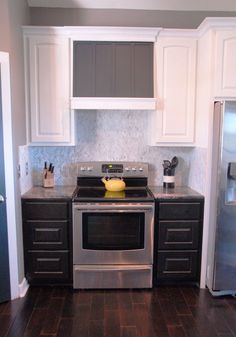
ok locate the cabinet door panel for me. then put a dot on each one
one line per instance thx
(83, 69)
(47, 265)
(124, 86)
(104, 85)
(176, 67)
(225, 74)
(178, 234)
(179, 211)
(43, 210)
(112, 69)
(49, 89)
(41, 235)
(177, 265)
(143, 70)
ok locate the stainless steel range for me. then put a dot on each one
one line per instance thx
(112, 231)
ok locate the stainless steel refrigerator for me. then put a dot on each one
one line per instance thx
(221, 266)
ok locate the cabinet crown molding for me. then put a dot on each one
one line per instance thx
(216, 23)
(97, 33)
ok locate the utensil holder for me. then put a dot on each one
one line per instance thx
(169, 178)
(48, 181)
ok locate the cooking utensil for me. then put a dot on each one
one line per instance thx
(166, 164)
(174, 162)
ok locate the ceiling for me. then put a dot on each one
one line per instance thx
(176, 5)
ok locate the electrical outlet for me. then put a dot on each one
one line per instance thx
(26, 168)
(18, 171)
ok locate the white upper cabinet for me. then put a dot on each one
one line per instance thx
(47, 86)
(173, 121)
(225, 68)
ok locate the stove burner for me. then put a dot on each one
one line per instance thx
(101, 194)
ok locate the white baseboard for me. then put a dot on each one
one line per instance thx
(23, 287)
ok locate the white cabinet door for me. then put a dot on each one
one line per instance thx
(48, 89)
(175, 86)
(225, 66)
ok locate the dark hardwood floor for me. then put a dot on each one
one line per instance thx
(161, 312)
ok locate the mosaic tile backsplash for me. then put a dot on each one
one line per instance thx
(111, 135)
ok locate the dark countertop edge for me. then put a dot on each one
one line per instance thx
(56, 192)
(179, 192)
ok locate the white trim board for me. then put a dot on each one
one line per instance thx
(174, 5)
(9, 173)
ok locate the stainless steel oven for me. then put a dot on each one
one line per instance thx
(113, 240)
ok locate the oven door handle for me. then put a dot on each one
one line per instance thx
(114, 207)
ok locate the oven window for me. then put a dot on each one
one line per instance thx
(113, 231)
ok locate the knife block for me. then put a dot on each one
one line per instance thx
(48, 181)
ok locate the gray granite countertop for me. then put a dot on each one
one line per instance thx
(182, 192)
(39, 192)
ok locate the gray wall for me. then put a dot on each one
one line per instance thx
(120, 17)
(4, 26)
(14, 14)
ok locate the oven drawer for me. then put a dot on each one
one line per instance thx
(47, 265)
(46, 235)
(179, 210)
(109, 276)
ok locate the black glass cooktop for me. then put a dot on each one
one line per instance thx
(101, 194)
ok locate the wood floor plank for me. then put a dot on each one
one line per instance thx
(53, 314)
(111, 300)
(44, 297)
(34, 327)
(158, 322)
(65, 327)
(125, 300)
(205, 327)
(96, 328)
(138, 296)
(189, 326)
(97, 306)
(23, 314)
(143, 321)
(112, 323)
(178, 300)
(81, 321)
(128, 331)
(71, 305)
(176, 331)
(5, 323)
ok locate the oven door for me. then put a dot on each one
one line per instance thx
(107, 233)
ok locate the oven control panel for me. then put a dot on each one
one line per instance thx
(120, 169)
(112, 168)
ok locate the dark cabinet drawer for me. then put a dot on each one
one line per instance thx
(40, 210)
(47, 265)
(43, 235)
(182, 234)
(177, 265)
(179, 211)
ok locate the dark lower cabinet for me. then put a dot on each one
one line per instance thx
(178, 241)
(47, 235)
